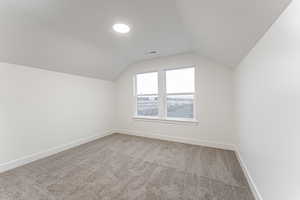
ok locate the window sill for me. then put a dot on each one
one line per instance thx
(167, 120)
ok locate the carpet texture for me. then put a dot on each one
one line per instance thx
(122, 167)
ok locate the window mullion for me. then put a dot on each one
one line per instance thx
(161, 92)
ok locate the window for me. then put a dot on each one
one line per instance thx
(166, 94)
(147, 94)
(180, 88)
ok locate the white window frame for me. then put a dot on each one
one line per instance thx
(141, 95)
(162, 98)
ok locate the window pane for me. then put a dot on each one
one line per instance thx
(180, 80)
(180, 106)
(147, 83)
(147, 106)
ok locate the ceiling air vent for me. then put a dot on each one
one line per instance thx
(152, 52)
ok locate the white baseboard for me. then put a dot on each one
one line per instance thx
(250, 180)
(177, 139)
(33, 157)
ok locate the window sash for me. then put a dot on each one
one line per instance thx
(178, 68)
(136, 95)
(135, 82)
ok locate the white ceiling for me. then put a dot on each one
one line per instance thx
(226, 31)
(76, 37)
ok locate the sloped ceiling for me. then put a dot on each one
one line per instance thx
(75, 36)
(226, 31)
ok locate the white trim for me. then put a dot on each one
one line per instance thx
(177, 139)
(36, 156)
(178, 121)
(146, 95)
(250, 180)
(183, 93)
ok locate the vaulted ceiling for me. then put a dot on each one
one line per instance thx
(75, 36)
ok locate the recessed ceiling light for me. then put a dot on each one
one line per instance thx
(121, 28)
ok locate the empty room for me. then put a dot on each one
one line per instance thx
(149, 100)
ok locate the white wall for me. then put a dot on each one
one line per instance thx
(40, 110)
(268, 109)
(214, 86)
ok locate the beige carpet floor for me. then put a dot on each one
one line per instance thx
(121, 167)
